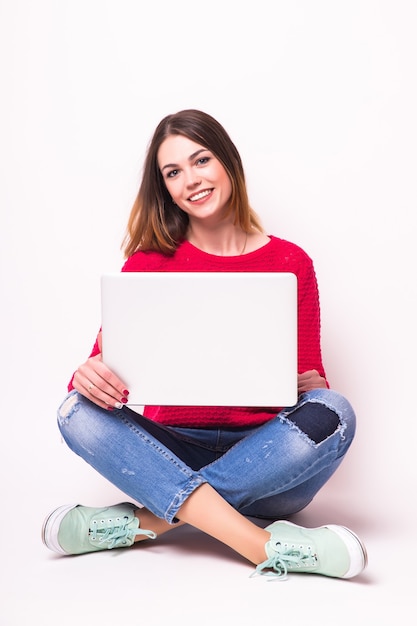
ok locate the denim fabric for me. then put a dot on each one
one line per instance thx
(269, 471)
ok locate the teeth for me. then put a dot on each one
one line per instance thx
(200, 195)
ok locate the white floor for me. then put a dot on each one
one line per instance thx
(185, 577)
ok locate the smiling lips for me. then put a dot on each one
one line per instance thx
(200, 195)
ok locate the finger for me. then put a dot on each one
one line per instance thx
(101, 398)
(87, 391)
(108, 382)
(96, 372)
(97, 383)
(98, 388)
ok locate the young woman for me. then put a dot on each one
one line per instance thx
(188, 465)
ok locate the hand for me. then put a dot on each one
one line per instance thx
(310, 380)
(98, 383)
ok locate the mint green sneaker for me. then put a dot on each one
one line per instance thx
(329, 550)
(76, 529)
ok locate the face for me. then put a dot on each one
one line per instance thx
(195, 178)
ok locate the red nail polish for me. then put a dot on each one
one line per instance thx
(126, 392)
(124, 400)
(110, 408)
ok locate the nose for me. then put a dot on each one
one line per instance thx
(192, 179)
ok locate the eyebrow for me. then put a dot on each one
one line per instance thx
(190, 158)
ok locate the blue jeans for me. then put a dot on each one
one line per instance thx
(269, 471)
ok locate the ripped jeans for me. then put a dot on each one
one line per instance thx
(268, 471)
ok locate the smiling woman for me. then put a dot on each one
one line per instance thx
(200, 186)
(191, 214)
(197, 178)
(158, 220)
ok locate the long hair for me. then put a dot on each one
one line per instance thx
(155, 223)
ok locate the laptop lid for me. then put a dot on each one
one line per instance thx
(202, 339)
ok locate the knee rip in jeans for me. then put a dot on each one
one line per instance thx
(303, 435)
(67, 408)
(308, 437)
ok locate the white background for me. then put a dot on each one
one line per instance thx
(320, 99)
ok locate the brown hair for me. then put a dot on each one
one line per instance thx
(155, 223)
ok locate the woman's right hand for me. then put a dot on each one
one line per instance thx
(94, 380)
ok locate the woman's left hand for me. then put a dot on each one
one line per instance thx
(310, 380)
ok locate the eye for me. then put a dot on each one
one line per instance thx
(203, 160)
(172, 174)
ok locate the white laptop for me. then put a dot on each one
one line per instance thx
(202, 339)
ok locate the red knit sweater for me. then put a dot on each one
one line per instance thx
(277, 255)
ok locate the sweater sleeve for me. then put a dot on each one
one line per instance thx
(309, 325)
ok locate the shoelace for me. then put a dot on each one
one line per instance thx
(277, 566)
(116, 532)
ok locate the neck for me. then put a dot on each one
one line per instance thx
(226, 240)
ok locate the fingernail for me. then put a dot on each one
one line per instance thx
(124, 400)
(118, 405)
(110, 408)
(126, 392)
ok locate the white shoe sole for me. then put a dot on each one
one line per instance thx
(51, 526)
(356, 549)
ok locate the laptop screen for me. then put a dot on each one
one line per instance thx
(202, 339)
